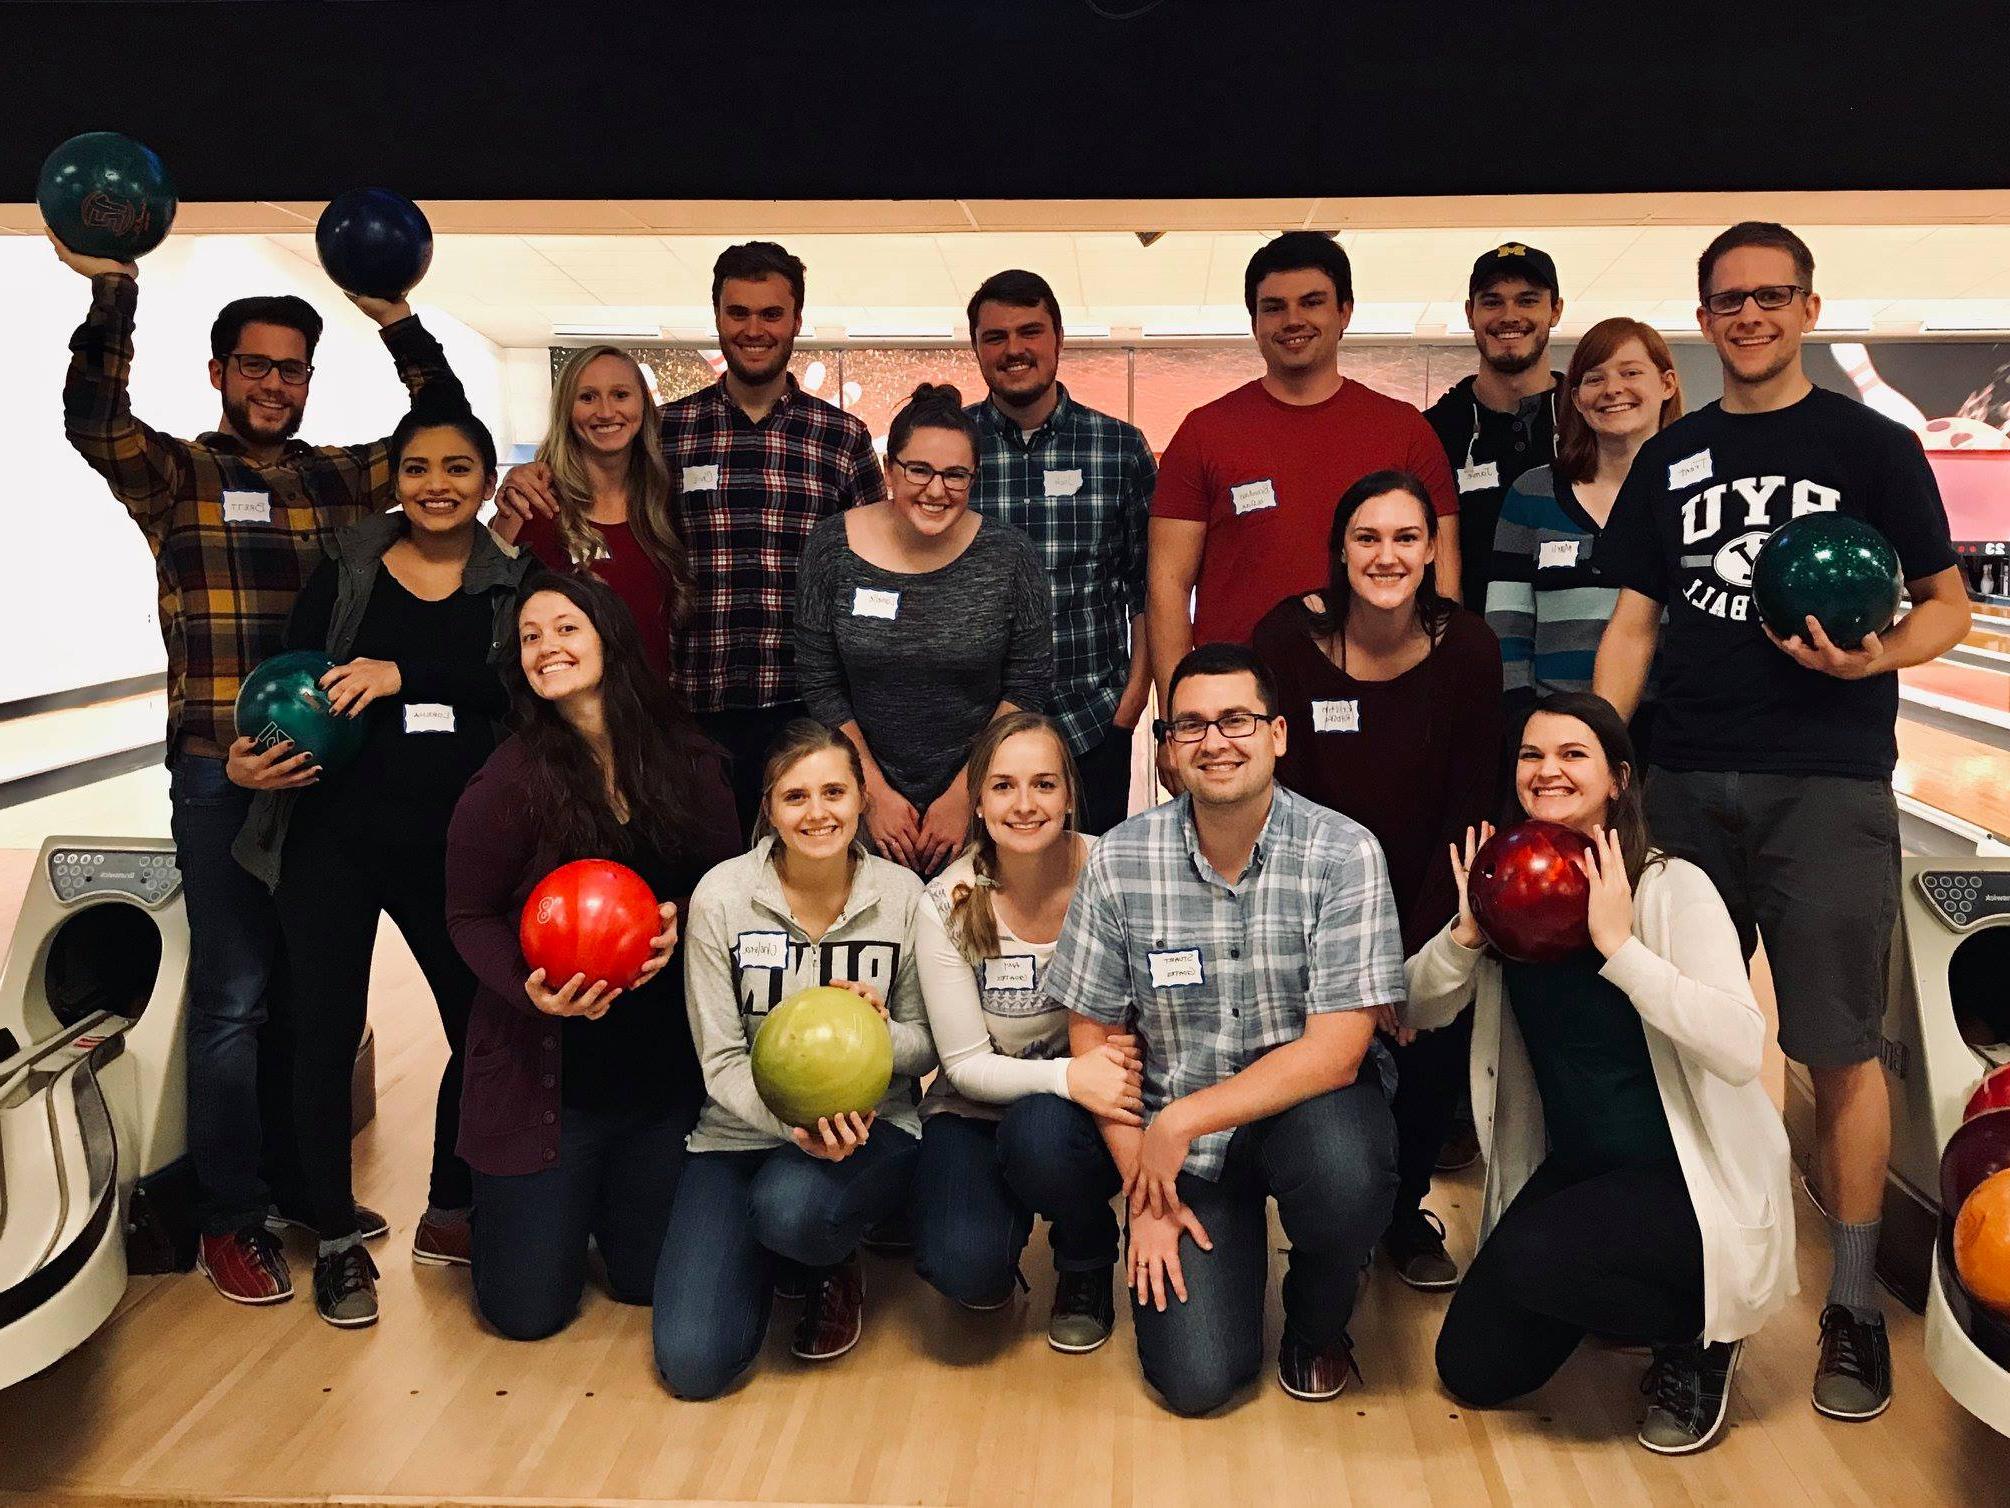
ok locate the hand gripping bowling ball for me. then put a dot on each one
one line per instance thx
(1830, 565)
(1528, 894)
(374, 242)
(1993, 1093)
(1982, 1242)
(591, 917)
(105, 195)
(822, 1051)
(282, 698)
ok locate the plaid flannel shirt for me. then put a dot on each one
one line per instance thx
(233, 542)
(1213, 975)
(1080, 487)
(747, 497)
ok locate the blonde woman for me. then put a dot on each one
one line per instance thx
(1008, 1088)
(597, 498)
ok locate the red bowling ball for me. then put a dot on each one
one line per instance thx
(591, 917)
(1993, 1093)
(1529, 895)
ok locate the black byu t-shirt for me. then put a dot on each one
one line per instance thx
(1701, 498)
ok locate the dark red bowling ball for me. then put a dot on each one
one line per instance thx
(591, 917)
(1529, 895)
(1835, 568)
(1993, 1093)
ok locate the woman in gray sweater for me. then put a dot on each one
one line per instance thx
(917, 622)
(807, 907)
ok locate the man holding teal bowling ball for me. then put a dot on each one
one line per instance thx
(1774, 749)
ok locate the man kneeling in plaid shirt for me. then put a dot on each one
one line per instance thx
(1248, 938)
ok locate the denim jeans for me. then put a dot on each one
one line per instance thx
(233, 945)
(979, 1183)
(1330, 1163)
(736, 1212)
(615, 1180)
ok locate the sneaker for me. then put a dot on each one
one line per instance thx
(1461, 1149)
(345, 1288)
(247, 1267)
(1415, 1243)
(1312, 1373)
(443, 1243)
(833, 1313)
(370, 1225)
(792, 1281)
(1084, 1311)
(1690, 1389)
(1853, 1377)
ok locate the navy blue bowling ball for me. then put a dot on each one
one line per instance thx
(106, 195)
(374, 242)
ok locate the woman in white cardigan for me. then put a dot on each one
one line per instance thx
(1637, 1183)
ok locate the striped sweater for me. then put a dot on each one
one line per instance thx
(1547, 602)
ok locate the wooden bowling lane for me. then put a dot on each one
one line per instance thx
(1971, 685)
(1956, 775)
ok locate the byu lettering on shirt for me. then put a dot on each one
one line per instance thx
(1729, 521)
(1250, 497)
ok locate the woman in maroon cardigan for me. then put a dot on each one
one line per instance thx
(578, 1096)
(1391, 697)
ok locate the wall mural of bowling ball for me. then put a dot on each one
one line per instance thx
(1528, 893)
(106, 195)
(282, 699)
(1835, 568)
(822, 1052)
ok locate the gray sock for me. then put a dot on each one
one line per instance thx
(437, 1216)
(340, 1243)
(1853, 1279)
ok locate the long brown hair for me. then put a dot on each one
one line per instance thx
(1626, 813)
(1433, 611)
(649, 484)
(1576, 443)
(973, 921)
(802, 737)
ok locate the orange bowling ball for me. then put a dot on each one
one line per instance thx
(1982, 1242)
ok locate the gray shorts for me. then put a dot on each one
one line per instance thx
(1809, 863)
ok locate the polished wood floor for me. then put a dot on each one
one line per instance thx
(184, 1398)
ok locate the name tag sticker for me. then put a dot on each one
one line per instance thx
(1687, 473)
(1479, 476)
(1337, 716)
(1012, 972)
(428, 717)
(763, 950)
(1556, 554)
(1252, 496)
(247, 507)
(1175, 968)
(701, 478)
(1064, 483)
(867, 603)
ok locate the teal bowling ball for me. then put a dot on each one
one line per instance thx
(106, 195)
(1837, 568)
(282, 699)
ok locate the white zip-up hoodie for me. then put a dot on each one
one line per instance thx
(1684, 973)
(744, 954)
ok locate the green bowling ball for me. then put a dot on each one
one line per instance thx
(106, 195)
(1837, 568)
(821, 1052)
(282, 698)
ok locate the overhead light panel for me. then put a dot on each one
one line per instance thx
(900, 329)
(1199, 327)
(634, 329)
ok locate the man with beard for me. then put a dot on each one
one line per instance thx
(1773, 757)
(1079, 484)
(237, 520)
(758, 463)
(1501, 421)
(1248, 938)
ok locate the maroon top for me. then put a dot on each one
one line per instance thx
(626, 567)
(512, 1102)
(1415, 760)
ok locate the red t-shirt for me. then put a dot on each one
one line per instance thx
(1263, 475)
(626, 568)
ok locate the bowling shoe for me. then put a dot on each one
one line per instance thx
(443, 1243)
(1853, 1377)
(1690, 1391)
(833, 1313)
(247, 1266)
(370, 1225)
(1415, 1243)
(345, 1287)
(1084, 1311)
(1314, 1373)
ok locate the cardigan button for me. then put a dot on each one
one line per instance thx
(550, 1043)
(551, 1081)
(551, 1154)
(550, 1116)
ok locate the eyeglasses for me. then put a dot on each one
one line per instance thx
(292, 373)
(1771, 296)
(1191, 730)
(920, 474)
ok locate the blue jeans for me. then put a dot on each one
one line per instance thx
(736, 1212)
(1330, 1163)
(979, 1184)
(233, 945)
(615, 1180)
